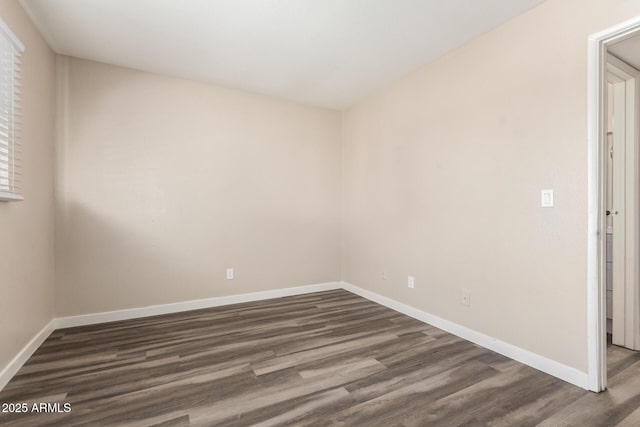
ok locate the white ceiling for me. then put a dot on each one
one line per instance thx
(628, 50)
(328, 53)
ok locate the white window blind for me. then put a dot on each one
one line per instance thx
(10, 115)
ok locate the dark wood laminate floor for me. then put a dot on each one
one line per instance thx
(330, 358)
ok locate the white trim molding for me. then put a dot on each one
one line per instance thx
(596, 293)
(21, 358)
(4, 28)
(111, 316)
(529, 358)
(6, 196)
(155, 310)
(541, 363)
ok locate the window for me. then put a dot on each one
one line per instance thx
(10, 178)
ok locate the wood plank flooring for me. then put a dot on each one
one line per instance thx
(329, 358)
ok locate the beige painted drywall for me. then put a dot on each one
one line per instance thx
(26, 228)
(163, 183)
(443, 172)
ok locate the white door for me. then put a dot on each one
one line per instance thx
(624, 208)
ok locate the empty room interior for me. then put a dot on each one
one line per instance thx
(319, 212)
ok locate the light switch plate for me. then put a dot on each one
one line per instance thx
(466, 297)
(546, 198)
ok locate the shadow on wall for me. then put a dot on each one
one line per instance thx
(106, 263)
(102, 264)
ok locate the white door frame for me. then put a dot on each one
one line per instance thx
(596, 287)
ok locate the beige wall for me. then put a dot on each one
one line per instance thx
(164, 183)
(26, 228)
(443, 172)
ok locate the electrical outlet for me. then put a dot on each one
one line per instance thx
(410, 282)
(383, 275)
(466, 297)
(229, 273)
(546, 198)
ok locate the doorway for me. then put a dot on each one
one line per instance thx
(614, 210)
(621, 194)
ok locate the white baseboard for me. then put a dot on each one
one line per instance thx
(551, 367)
(14, 366)
(154, 310)
(110, 316)
(529, 358)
